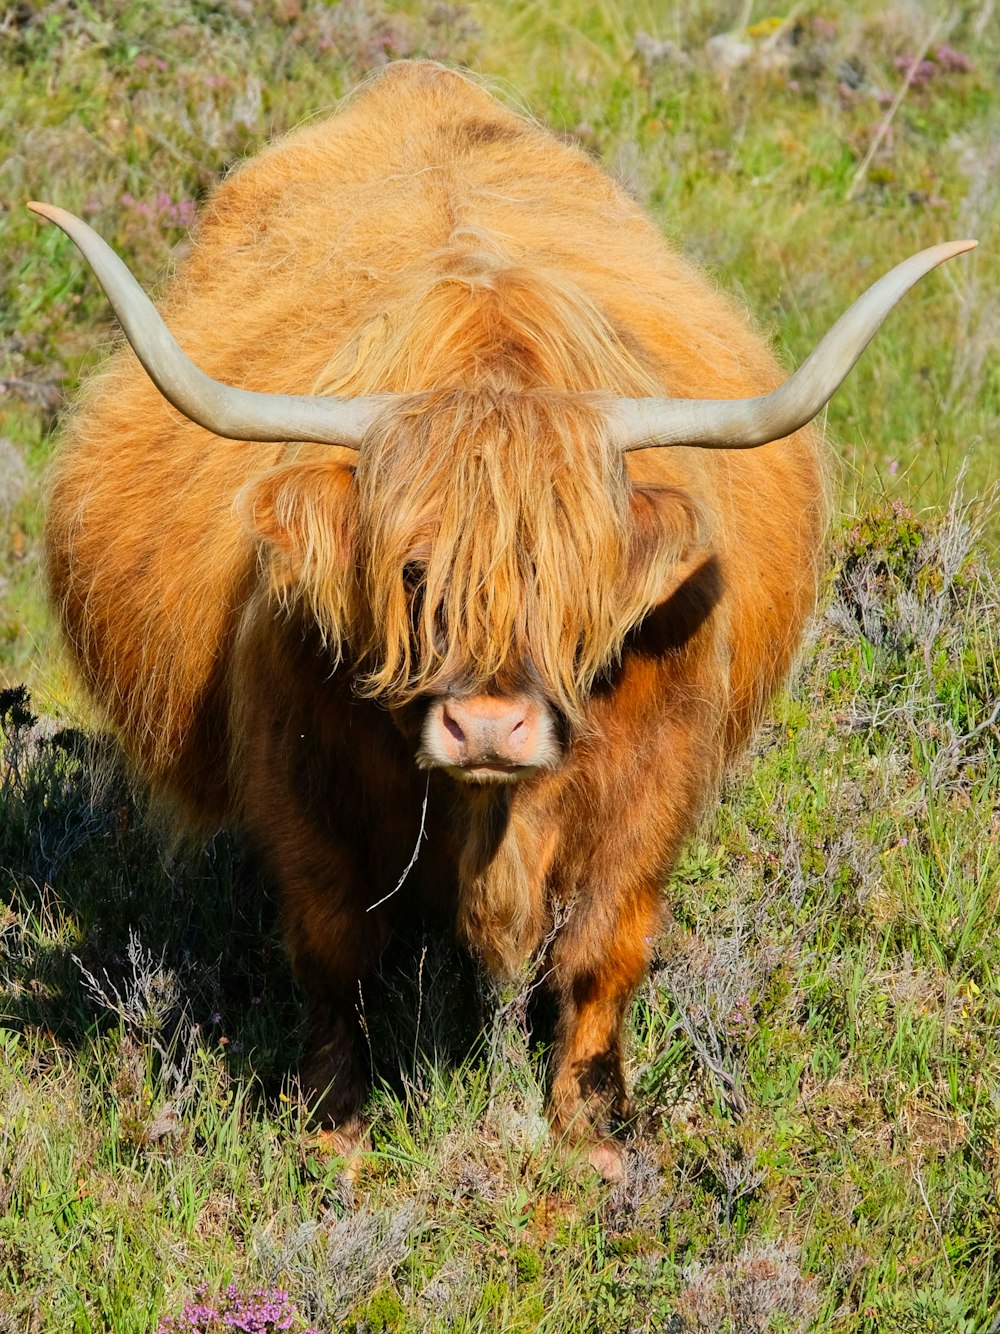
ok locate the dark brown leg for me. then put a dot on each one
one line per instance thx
(598, 961)
(334, 805)
(334, 946)
(335, 1078)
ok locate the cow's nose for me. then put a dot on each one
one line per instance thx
(486, 737)
(489, 727)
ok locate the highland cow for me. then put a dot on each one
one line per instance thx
(463, 548)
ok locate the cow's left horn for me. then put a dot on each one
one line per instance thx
(238, 414)
(742, 423)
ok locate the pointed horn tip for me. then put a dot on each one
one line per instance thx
(958, 247)
(50, 212)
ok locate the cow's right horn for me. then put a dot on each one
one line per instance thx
(742, 423)
(238, 414)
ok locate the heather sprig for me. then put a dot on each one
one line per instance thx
(262, 1311)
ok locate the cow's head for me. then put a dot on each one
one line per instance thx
(482, 551)
(479, 565)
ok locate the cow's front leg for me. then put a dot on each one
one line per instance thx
(335, 1071)
(334, 946)
(598, 960)
(637, 788)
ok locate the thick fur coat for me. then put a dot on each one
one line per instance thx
(263, 623)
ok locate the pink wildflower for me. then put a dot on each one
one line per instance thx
(922, 71)
(955, 62)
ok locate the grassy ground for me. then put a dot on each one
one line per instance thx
(816, 1059)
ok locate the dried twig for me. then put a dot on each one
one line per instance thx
(416, 853)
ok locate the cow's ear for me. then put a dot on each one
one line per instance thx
(304, 512)
(671, 535)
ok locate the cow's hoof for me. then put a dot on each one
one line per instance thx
(608, 1161)
(348, 1141)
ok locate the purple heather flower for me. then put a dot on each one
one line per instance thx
(259, 1312)
(922, 71)
(956, 62)
(176, 213)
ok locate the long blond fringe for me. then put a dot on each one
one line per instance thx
(493, 541)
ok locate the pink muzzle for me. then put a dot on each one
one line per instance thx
(488, 738)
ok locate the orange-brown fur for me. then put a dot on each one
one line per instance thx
(245, 612)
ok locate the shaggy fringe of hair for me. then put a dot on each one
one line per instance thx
(494, 539)
(489, 537)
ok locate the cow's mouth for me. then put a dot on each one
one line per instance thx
(493, 772)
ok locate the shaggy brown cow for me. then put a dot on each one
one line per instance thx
(480, 596)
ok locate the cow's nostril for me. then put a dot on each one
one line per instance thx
(452, 726)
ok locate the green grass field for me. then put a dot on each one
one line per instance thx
(816, 1055)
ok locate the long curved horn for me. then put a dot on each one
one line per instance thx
(743, 423)
(237, 414)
